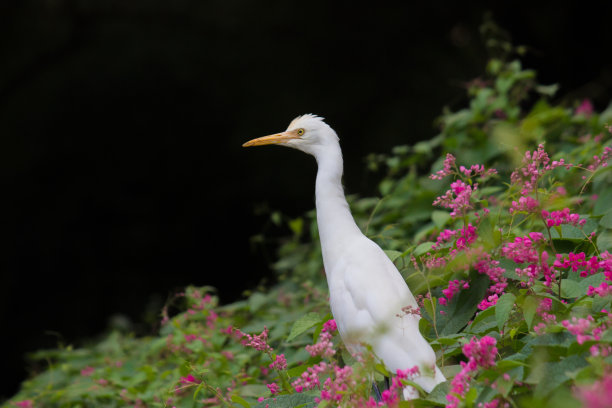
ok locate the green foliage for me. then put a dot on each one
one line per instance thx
(552, 333)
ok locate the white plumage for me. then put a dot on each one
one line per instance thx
(367, 292)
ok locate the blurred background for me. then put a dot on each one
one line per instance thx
(121, 126)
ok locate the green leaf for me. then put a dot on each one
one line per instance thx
(600, 303)
(530, 307)
(549, 376)
(593, 280)
(602, 204)
(606, 220)
(297, 225)
(256, 301)
(604, 241)
(571, 289)
(303, 324)
(241, 401)
(303, 400)
(422, 248)
(462, 308)
(440, 218)
(567, 232)
(393, 255)
(503, 307)
(437, 396)
(483, 322)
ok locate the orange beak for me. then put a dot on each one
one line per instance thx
(278, 138)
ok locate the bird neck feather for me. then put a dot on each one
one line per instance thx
(336, 224)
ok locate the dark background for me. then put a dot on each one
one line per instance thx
(121, 122)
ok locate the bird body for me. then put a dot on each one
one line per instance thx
(368, 295)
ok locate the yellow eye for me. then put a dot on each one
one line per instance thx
(300, 132)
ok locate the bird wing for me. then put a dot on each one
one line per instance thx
(367, 294)
(366, 290)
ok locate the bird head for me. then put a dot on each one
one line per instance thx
(308, 133)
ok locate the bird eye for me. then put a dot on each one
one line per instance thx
(300, 132)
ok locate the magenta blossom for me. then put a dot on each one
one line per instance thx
(556, 218)
(597, 395)
(279, 363)
(535, 165)
(330, 326)
(480, 353)
(458, 198)
(585, 108)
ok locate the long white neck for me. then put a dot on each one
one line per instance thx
(336, 224)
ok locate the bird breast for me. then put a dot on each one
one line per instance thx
(367, 293)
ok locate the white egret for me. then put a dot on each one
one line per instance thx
(367, 294)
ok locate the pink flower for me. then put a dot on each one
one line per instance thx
(87, 371)
(330, 326)
(535, 165)
(585, 108)
(488, 302)
(279, 363)
(490, 267)
(578, 262)
(598, 394)
(557, 218)
(190, 379)
(25, 404)
(522, 249)
(449, 163)
(334, 388)
(525, 203)
(228, 354)
(258, 342)
(453, 288)
(324, 347)
(309, 378)
(580, 329)
(274, 389)
(458, 198)
(480, 353)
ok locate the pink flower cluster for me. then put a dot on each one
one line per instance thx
(480, 353)
(274, 388)
(258, 342)
(310, 378)
(578, 262)
(604, 289)
(535, 165)
(581, 329)
(453, 288)
(477, 170)
(87, 371)
(523, 250)
(596, 395)
(458, 198)
(600, 161)
(279, 363)
(449, 165)
(324, 347)
(330, 326)
(334, 389)
(525, 203)
(585, 108)
(490, 267)
(556, 218)
(466, 235)
(186, 382)
(544, 307)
